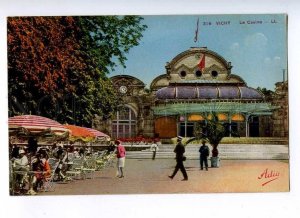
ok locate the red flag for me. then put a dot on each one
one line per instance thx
(201, 64)
(196, 32)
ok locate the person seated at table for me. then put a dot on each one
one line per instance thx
(41, 169)
(76, 153)
(81, 152)
(59, 168)
(46, 165)
(21, 165)
(15, 151)
(69, 158)
(37, 177)
(60, 152)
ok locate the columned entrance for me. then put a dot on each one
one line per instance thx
(241, 119)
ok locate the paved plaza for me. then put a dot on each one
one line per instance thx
(146, 176)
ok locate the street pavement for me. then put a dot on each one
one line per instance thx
(146, 176)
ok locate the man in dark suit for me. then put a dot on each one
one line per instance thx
(179, 150)
(204, 153)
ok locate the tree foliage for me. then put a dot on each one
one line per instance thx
(268, 94)
(215, 130)
(212, 131)
(58, 66)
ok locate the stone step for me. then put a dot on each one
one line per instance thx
(262, 157)
(226, 151)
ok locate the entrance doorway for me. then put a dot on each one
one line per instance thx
(186, 129)
(254, 127)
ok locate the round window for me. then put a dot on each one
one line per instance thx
(183, 73)
(198, 73)
(214, 73)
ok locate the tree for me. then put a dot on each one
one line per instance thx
(213, 131)
(105, 37)
(102, 38)
(268, 94)
(40, 54)
(58, 66)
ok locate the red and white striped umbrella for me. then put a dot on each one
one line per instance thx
(36, 124)
(98, 134)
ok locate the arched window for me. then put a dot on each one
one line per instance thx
(124, 124)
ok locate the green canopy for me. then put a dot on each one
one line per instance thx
(208, 107)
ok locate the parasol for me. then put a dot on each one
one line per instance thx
(80, 133)
(99, 135)
(25, 126)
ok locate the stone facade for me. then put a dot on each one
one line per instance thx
(280, 116)
(139, 119)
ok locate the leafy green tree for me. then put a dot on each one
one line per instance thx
(58, 66)
(212, 131)
(215, 132)
(105, 37)
(267, 93)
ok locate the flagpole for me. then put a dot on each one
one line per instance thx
(196, 32)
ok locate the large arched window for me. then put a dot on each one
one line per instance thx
(124, 123)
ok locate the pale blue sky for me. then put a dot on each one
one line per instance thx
(258, 52)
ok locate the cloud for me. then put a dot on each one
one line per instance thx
(272, 61)
(255, 43)
(256, 40)
(267, 60)
(235, 46)
(277, 58)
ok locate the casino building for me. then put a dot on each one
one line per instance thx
(196, 83)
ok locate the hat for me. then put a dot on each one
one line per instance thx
(179, 138)
(21, 152)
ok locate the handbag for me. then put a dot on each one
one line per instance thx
(183, 158)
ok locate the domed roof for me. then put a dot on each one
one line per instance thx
(208, 92)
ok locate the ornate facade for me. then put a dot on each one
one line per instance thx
(280, 116)
(197, 82)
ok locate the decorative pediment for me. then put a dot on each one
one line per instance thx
(214, 71)
(125, 84)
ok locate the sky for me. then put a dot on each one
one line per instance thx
(256, 45)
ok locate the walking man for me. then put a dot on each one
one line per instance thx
(204, 153)
(154, 149)
(179, 150)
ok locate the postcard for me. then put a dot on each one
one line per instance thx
(155, 104)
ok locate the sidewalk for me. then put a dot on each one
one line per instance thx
(144, 176)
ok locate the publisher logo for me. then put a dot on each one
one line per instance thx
(268, 176)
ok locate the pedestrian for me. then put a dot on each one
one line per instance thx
(204, 153)
(154, 149)
(121, 153)
(179, 150)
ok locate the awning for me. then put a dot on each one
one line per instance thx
(27, 126)
(100, 136)
(208, 107)
(80, 133)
